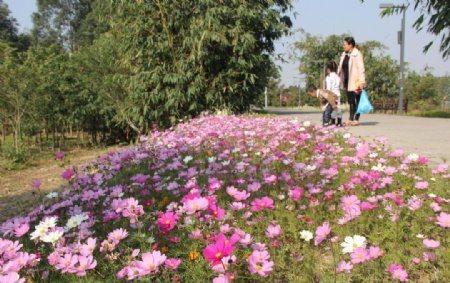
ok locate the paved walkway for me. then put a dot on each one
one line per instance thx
(429, 137)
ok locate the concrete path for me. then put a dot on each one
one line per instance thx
(429, 137)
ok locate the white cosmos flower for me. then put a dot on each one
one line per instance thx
(187, 159)
(373, 155)
(413, 157)
(306, 123)
(379, 167)
(226, 162)
(236, 149)
(302, 129)
(420, 236)
(310, 168)
(52, 237)
(211, 159)
(75, 221)
(351, 243)
(48, 223)
(52, 195)
(306, 235)
(432, 195)
(347, 135)
(39, 232)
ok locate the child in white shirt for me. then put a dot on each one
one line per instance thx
(332, 82)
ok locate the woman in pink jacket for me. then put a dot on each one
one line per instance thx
(352, 75)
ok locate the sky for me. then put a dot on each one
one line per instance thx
(324, 18)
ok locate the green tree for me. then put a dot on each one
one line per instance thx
(184, 57)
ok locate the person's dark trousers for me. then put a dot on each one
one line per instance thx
(353, 101)
(327, 115)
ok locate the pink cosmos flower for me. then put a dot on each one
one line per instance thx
(400, 275)
(222, 278)
(117, 235)
(85, 263)
(11, 277)
(261, 268)
(232, 190)
(88, 248)
(398, 272)
(21, 230)
(36, 184)
(375, 252)
(422, 185)
(263, 203)
(443, 220)
(322, 232)
(360, 255)
(431, 244)
(429, 256)
(240, 196)
(167, 221)
(273, 231)
(151, 262)
(296, 193)
(172, 263)
(67, 263)
(344, 266)
(197, 204)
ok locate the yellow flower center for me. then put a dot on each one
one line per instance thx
(258, 267)
(151, 265)
(195, 207)
(167, 222)
(218, 254)
(262, 204)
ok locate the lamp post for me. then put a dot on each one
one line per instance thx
(401, 41)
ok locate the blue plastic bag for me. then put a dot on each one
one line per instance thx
(364, 105)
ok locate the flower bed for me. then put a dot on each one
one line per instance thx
(244, 199)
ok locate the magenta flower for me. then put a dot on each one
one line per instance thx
(140, 178)
(322, 232)
(443, 220)
(167, 221)
(216, 211)
(67, 174)
(59, 155)
(431, 244)
(263, 203)
(36, 184)
(296, 193)
(85, 263)
(172, 263)
(220, 249)
(273, 231)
